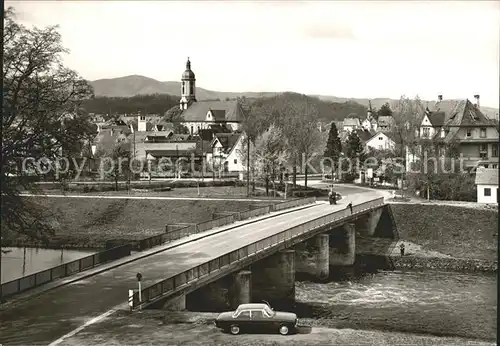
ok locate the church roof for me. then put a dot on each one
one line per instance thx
(197, 112)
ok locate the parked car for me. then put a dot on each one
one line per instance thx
(257, 318)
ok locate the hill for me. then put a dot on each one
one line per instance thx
(139, 85)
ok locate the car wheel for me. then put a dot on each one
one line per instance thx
(284, 330)
(234, 330)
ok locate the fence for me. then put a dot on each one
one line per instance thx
(63, 270)
(177, 282)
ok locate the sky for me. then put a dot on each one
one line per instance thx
(345, 49)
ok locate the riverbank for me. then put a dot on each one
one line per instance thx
(196, 329)
(450, 230)
(90, 223)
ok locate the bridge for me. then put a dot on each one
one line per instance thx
(255, 260)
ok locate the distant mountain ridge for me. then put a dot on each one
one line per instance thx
(133, 85)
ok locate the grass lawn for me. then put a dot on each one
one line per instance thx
(210, 192)
(453, 230)
(90, 222)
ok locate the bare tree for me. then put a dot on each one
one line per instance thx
(407, 115)
(299, 124)
(270, 155)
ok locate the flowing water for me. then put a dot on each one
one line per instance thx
(18, 262)
(427, 302)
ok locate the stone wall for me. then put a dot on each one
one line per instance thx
(449, 264)
(414, 262)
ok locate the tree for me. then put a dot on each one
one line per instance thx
(385, 110)
(253, 115)
(118, 158)
(42, 115)
(333, 147)
(299, 123)
(407, 118)
(270, 155)
(353, 151)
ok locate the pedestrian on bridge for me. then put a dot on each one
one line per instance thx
(350, 206)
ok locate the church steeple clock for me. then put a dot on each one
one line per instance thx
(188, 87)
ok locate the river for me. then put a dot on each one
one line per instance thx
(19, 262)
(423, 302)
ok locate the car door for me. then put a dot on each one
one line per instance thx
(259, 321)
(243, 320)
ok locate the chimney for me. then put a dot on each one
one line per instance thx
(477, 100)
(440, 98)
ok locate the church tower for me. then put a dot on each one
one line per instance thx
(188, 87)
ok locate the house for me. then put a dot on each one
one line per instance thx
(385, 123)
(350, 124)
(487, 185)
(381, 141)
(226, 152)
(363, 135)
(197, 115)
(461, 122)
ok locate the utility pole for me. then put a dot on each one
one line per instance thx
(248, 166)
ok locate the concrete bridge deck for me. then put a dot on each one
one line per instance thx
(63, 310)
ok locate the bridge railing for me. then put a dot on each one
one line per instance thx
(37, 279)
(176, 282)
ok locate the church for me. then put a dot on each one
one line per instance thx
(198, 115)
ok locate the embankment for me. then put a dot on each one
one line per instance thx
(440, 237)
(89, 223)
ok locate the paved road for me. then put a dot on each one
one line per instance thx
(64, 309)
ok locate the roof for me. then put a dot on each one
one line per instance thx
(219, 114)
(228, 140)
(364, 135)
(437, 119)
(464, 113)
(180, 137)
(197, 111)
(351, 122)
(486, 176)
(201, 148)
(253, 306)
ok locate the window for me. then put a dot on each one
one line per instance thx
(257, 314)
(191, 129)
(381, 138)
(183, 88)
(243, 314)
(425, 132)
(482, 132)
(487, 192)
(494, 150)
(191, 89)
(483, 148)
(143, 117)
(494, 166)
(483, 156)
(235, 161)
(469, 133)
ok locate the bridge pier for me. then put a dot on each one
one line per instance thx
(273, 279)
(242, 288)
(312, 258)
(366, 225)
(224, 294)
(176, 303)
(343, 245)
